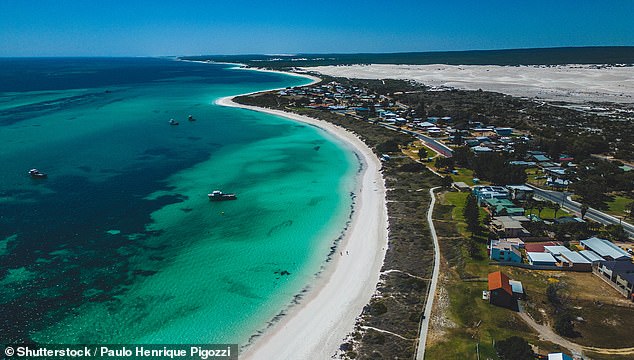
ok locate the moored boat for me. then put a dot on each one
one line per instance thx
(37, 174)
(218, 195)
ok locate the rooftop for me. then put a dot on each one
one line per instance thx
(605, 248)
(590, 255)
(516, 286)
(499, 280)
(574, 257)
(541, 257)
(556, 249)
(539, 247)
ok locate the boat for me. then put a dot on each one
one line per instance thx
(191, 118)
(37, 174)
(218, 195)
(173, 122)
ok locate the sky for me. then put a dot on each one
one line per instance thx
(187, 27)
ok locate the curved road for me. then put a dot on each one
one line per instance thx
(431, 291)
(593, 214)
(431, 143)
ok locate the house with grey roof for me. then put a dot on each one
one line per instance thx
(567, 258)
(605, 248)
(541, 259)
(593, 257)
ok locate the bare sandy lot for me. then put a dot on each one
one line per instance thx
(570, 83)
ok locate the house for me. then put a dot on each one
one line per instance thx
(520, 192)
(620, 275)
(559, 356)
(569, 220)
(489, 192)
(500, 291)
(504, 251)
(503, 207)
(517, 242)
(461, 186)
(540, 158)
(523, 163)
(510, 226)
(606, 249)
(567, 258)
(557, 183)
(565, 158)
(481, 149)
(425, 125)
(503, 131)
(541, 259)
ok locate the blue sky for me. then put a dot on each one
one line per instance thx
(186, 27)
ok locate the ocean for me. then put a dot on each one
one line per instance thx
(120, 244)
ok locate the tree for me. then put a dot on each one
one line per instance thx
(630, 209)
(388, 146)
(422, 154)
(514, 348)
(564, 325)
(556, 207)
(445, 162)
(539, 207)
(472, 213)
(421, 111)
(529, 205)
(584, 210)
(447, 181)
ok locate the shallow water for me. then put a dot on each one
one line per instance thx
(120, 243)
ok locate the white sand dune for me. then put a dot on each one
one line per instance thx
(571, 83)
(316, 327)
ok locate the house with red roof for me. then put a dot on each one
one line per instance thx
(500, 290)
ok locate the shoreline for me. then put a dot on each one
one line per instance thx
(317, 325)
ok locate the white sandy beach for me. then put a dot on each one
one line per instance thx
(570, 83)
(315, 328)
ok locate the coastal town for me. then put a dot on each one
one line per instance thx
(527, 218)
(415, 180)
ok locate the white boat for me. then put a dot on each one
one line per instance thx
(218, 195)
(37, 174)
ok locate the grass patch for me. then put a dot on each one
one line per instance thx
(478, 324)
(548, 213)
(466, 176)
(618, 205)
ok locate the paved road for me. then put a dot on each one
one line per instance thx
(431, 293)
(593, 214)
(432, 143)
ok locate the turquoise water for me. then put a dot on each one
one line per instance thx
(120, 243)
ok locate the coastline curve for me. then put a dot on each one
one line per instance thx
(319, 323)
